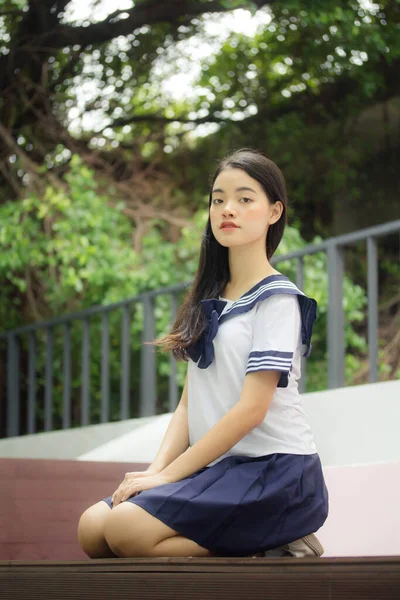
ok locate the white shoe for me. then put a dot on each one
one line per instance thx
(307, 546)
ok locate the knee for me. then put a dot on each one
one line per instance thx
(120, 534)
(88, 522)
(90, 533)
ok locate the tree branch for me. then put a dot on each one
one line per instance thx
(147, 13)
(7, 13)
(27, 163)
(154, 118)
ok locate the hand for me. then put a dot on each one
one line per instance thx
(133, 485)
(133, 475)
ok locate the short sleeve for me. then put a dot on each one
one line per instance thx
(276, 334)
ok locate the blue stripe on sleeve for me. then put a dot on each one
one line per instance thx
(271, 360)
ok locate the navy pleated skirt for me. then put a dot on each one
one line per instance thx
(243, 505)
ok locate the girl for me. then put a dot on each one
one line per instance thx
(237, 472)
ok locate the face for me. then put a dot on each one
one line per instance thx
(239, 198)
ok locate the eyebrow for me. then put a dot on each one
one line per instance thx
(239, 189)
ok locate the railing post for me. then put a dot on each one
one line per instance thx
(173, 387)
(67, 377)
(85, 420)
(148, 361)
(300, 284)
(12, 385)
(372, 262)
(31, 420)
(125, 362)
(105, 368)
(48, 394)
(336, 345)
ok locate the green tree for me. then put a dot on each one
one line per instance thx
(319, 80)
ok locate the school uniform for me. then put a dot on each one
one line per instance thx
(268, 490)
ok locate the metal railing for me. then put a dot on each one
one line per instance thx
(333, 247)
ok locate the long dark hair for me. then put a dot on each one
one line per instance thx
(213, 270)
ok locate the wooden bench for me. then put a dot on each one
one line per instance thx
(197, 579)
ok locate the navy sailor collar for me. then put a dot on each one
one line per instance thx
(203, 349)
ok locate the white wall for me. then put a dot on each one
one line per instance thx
(69, 443)
(364, 517)
(140, 445)
(358, 424)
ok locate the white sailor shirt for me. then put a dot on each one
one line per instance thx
(265, 329)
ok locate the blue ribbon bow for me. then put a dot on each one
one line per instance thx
(203, 349)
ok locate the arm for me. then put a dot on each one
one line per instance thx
(175, 441)
(176, 438)
(256, 397)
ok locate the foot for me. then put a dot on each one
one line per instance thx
(308, 546)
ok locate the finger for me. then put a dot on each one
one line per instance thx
(121, 492)
(117, 496)
(128, 494)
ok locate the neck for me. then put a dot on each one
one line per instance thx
(247, 264)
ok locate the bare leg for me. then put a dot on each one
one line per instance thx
(179, 546)
(91, 531)
(132, 532)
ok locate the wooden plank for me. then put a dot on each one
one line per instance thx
(339, 564)
(311, 579)
(17, 551)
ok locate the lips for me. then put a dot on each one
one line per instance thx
(228, 226)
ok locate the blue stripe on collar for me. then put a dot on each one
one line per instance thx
(279, 285)
(203, 350)
(270, 279)
(261, 291)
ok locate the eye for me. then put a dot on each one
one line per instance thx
(218, 200)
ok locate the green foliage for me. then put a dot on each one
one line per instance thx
(77, 249)
(67, 240)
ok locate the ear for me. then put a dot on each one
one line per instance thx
(276, 211)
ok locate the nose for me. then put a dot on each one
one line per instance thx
(228, 209)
